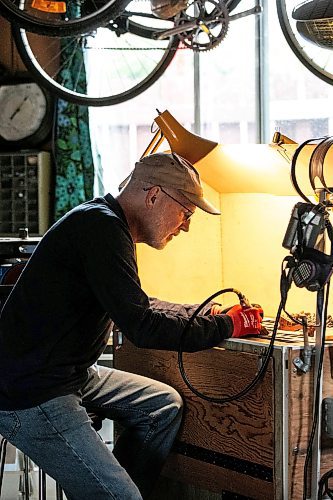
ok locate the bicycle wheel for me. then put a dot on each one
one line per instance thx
(104, 67)
(45, 17)
(316, 59)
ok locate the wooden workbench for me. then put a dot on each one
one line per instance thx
(253, 447)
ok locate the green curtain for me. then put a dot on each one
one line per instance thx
(73, 156)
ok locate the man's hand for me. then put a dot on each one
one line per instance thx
(246, 320)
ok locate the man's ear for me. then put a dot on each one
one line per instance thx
(151, 196)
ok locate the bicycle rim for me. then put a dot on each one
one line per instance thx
(316, 59)
(95, 75)
(80, 16)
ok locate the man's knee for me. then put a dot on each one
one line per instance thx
(174, 402)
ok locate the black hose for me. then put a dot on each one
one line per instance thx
(260, 373)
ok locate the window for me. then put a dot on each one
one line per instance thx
(121, 133)
(296, 102)
(227, 82)
(300, 103)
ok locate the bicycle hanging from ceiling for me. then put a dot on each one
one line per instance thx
(128, 52)
(307, 27)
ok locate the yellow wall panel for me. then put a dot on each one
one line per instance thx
(253, 228)
(242, 248)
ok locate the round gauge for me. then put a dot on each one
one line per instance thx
(26, 112)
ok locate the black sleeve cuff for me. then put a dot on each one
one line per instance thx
(225, 325)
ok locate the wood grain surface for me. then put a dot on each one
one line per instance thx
(240, 431)
(300, 424)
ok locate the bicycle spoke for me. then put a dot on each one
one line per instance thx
(317, 59)
(81, 16)
(129, 63)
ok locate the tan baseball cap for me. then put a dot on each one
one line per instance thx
(173, 171)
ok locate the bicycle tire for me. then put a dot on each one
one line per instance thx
(35, 21)
(156, 68)
(301, 48)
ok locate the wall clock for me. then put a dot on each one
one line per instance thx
(26, 115)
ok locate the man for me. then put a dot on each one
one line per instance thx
(56, 323)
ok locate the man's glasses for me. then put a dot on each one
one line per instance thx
(188, 212)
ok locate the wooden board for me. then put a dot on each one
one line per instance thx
(300, 423)
(218, 446)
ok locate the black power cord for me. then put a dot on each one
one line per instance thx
(285, 283)
(323, 306)
(260, 373)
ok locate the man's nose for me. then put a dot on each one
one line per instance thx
(185, 225)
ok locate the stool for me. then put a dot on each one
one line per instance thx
(6, 284)
(96, 424)
(26, 483)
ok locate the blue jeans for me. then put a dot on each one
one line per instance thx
(58, 436)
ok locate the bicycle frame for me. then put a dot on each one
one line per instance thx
(120, 25)
(138, 49)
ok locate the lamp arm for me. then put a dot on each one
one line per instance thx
(154, 143)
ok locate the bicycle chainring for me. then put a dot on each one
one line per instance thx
(212, 21)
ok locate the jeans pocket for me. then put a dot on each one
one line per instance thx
(9, 424)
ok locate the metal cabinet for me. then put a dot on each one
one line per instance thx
(25, 179)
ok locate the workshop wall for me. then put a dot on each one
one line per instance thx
(242, 249)
(9, 57)
(12, 67)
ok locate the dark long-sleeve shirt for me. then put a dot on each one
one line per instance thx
(56, 321)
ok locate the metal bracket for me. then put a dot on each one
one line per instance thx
(304, 364)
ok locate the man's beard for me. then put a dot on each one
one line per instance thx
(157, 238)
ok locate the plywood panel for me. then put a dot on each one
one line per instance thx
(209, 481)
(301, 419)
(216, 443)
(8, 54)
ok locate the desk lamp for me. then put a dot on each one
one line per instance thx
(236, 168)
